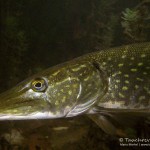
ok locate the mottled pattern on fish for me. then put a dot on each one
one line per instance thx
(128, 71)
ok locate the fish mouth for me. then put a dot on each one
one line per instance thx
(20, 103)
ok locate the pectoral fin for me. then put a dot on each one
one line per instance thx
(106, 125)
(119, 122)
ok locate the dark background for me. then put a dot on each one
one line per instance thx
(36, 34)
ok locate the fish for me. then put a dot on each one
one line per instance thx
(104, 85)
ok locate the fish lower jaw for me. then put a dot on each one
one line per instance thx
(39, 115)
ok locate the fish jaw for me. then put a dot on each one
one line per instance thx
(38, 115)
(21, 103)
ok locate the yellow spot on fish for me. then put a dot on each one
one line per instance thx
(15, 110)
(75, 85)
(141, 97)
(124, 88)
(126, 81)
(109, 58)
(140, 64)
(86, 79)
(54, 74)
(62, 90)
(60, 128)
(147, 90)
(67, 107)
(139, 79)
(133, 69)
(67, 85)
(143, 55)
(89, 84)
(119, 72)
(118, 81)
(57, 103)
(63, 99)
(145, 73)
(116, 86)
(136, 86)
(52, 86)
(111, 66)
(93, 73)
(120, 65)
(126, 75)
(104, 63)
(70, 92)
(147, 67)
(132, 58)
(121, 95)
(76, 69)
(82, 66)
(113, 75)
(112, 94)
(123, 56)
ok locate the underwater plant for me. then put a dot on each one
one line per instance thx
(135, 22)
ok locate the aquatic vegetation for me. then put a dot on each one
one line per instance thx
(135, 22)
(130, 15)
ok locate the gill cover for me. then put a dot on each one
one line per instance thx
(89, 83)
(70, 88)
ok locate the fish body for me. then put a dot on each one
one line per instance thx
(125, 73)
(114, 80)
(127, 70)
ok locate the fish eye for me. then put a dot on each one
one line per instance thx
(39, 85)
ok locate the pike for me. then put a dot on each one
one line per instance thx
(105, 84)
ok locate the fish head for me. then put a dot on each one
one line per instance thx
(62, 91)
(24, 101)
